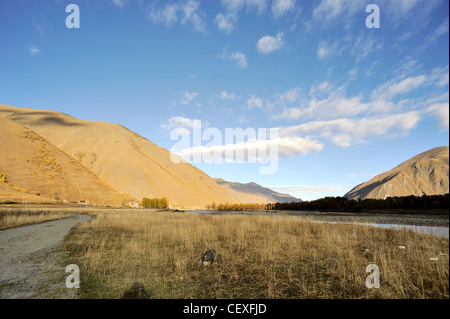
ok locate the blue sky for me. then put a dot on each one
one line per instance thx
(349, 102)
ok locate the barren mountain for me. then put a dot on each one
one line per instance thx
(424, 174)
(254, 193)
(128, 162)
(32, 169)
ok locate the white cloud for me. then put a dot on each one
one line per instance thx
(235, 6)
(260, 5)
(242, 119)
(188, 97)
(119, 3)
(391, 89)
(334, 105)
(286, 147)
(441, 112)
(440, 30)
(324, 50)
(34, 50)
(255, 101)
(352, 74)
(281, 7)
(191, 14)
(40, 28)
(187, 12)
(364, 46)
(224, 95)
(268, 44)
(166, 15)
(178, 122)
(290, 96)
(439, 76)
(239, 58)
(345, 132)
(226, 23)
(332, 10)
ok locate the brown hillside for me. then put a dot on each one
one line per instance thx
(33, 168)
(424, 174)
(127, 161)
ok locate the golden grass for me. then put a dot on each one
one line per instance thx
(15, 218)
(262, 257)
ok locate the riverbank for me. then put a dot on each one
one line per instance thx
(417, 218)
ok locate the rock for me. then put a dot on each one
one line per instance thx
(209, 257)
(137, 291)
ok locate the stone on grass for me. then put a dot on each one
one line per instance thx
(209, 257)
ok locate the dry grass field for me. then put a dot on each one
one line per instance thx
(262, 257)
(10, 218)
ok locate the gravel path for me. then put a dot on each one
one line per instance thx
(29, 257)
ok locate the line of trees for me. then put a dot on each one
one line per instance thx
(345, 204)
(160, 203)
(237, 207)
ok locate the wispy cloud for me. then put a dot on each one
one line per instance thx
(224, 95)
(255, 101)
(282, 7)
(41, 28)
(226, 23)
(186, 12)
(329, 11)
(345, 132)
(34, 50)
(188, 97)
(119, 3)
(178, 122)
(239, 58)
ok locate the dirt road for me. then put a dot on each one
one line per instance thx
(29, 255)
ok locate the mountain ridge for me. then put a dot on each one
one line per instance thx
(255, 193)
(424, 174)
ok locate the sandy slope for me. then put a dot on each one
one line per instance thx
(122, 158)
(28, 253)
(31, 166)
(424, 174)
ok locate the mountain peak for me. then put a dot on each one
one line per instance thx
(423, 174)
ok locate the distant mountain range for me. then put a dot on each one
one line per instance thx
(254, 193)
(424, 174)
